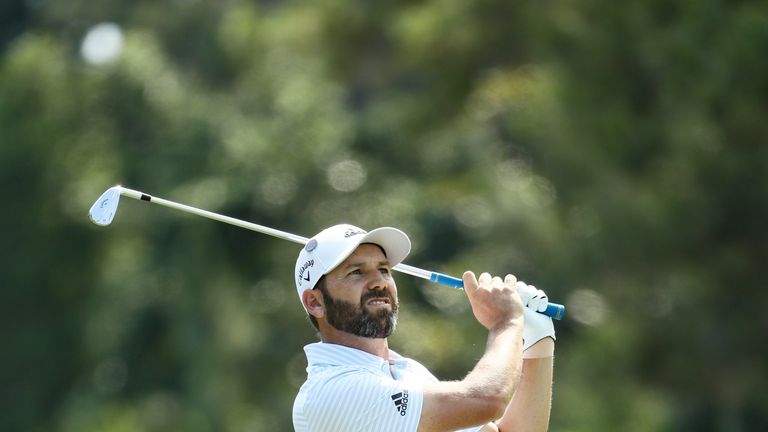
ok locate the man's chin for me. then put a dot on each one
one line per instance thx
(384, 327)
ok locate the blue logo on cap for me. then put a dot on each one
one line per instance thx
(312, 245)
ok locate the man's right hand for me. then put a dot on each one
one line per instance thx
(495, 303)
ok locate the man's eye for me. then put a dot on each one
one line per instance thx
(384, 270)
(355, 272)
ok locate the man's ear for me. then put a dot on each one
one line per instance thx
(313, 303)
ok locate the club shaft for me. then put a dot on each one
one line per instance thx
(553, 310)
(403, 268)
(215, 216)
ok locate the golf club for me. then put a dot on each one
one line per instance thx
(103, 211)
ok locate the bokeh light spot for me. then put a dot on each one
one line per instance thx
(102, 44)
(587, 307)
(347, 175)
(279, 189)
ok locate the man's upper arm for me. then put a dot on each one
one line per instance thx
(358, 401)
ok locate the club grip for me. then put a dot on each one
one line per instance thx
(554, 310)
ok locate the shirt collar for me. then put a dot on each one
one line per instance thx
(327, 354)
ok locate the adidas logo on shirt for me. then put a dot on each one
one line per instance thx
(401, 401)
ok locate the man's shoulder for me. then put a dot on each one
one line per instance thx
(380, 402)
(329, 375)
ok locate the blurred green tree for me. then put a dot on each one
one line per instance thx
(611, 154)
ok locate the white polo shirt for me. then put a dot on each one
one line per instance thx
(351, 390)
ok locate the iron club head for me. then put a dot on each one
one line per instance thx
(103, 210)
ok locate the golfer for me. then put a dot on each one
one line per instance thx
(356, 383)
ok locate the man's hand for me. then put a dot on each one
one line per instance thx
(537, 326)
(494, 302)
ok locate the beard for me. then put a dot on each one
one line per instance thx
(357, 319)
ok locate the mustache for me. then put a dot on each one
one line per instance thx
(377, 294)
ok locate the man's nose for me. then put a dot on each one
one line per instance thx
(377, 281)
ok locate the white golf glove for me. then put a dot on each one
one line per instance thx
(537, 325)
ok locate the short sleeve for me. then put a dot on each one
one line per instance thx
(358, 401)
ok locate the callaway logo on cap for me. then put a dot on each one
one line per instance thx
(331, 246)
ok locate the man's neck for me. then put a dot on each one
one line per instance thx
(378, 347)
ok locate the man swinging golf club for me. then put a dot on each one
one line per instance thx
(356, 383)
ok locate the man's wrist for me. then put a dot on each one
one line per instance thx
(506, 324)
(542, 349)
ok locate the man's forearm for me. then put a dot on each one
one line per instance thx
(531, 404)
(498, 371)
(484, 393)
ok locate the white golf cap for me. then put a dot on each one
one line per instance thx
(327, 249)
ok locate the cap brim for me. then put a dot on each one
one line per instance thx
(395, 243)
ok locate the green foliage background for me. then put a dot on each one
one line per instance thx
(613, 154)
